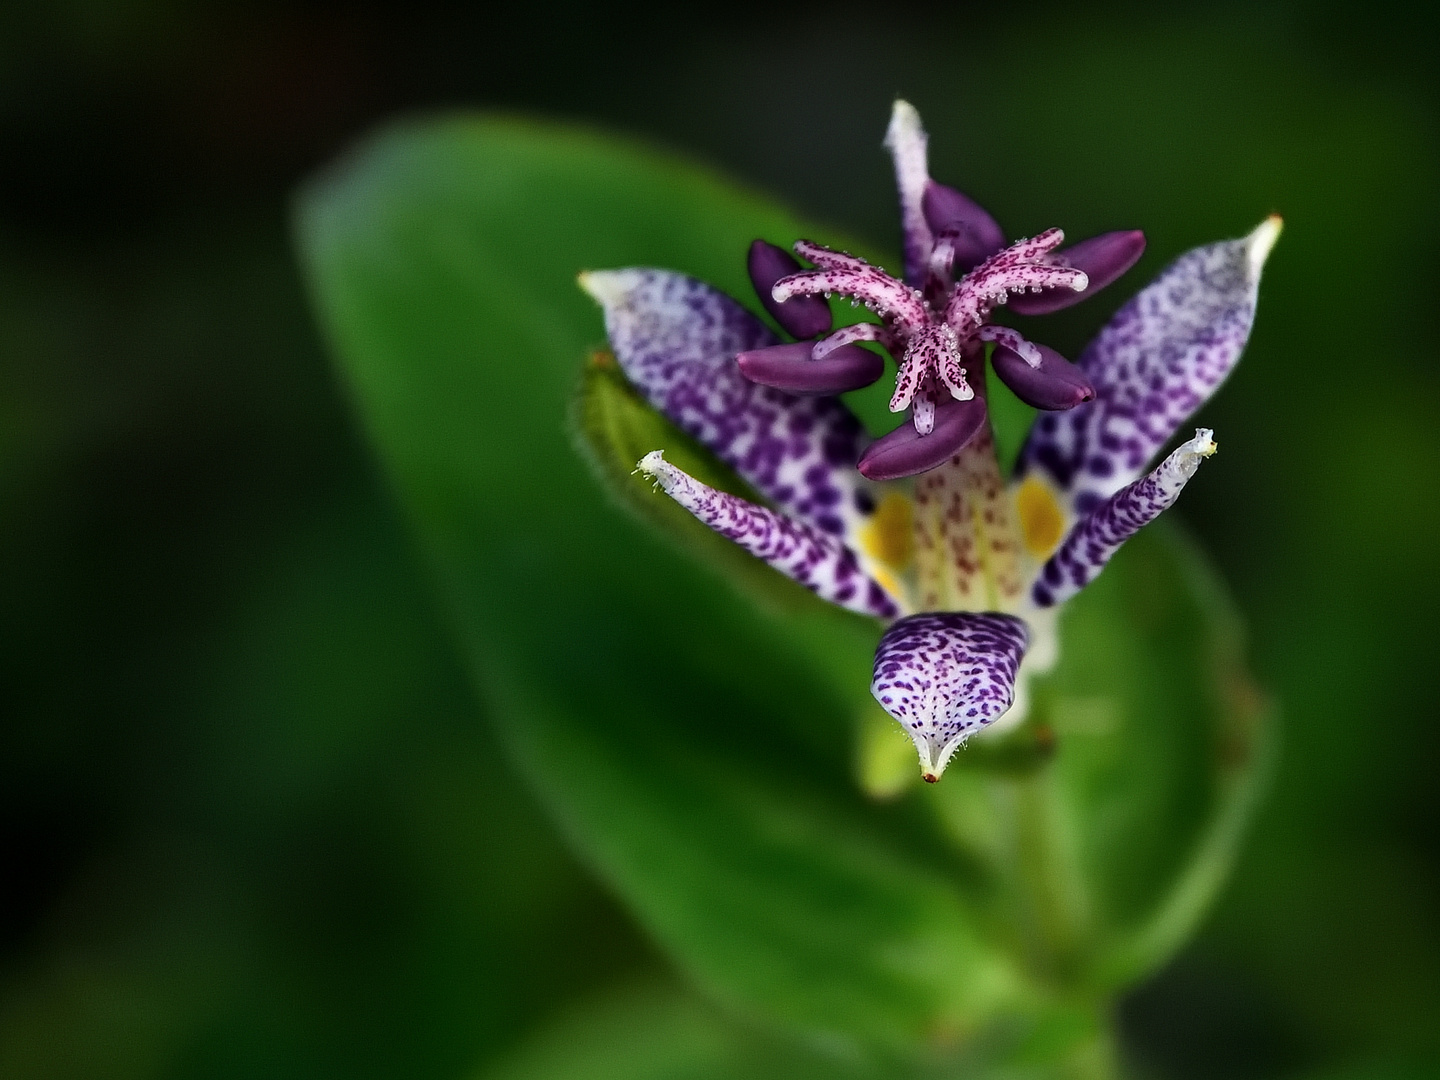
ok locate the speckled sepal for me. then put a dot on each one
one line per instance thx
(946, 675)
(1102, 532)
(676, 339)
(821, 563)
(1156, 362)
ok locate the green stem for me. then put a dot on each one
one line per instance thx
(1047, 878)
(1095, 1058)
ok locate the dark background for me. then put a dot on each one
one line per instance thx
(251, 821)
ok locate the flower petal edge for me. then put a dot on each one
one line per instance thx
(945, 675)
(1153, 365)
(676, 339)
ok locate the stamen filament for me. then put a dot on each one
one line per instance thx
(848, 335)
(1012, 340)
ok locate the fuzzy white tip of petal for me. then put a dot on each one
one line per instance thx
(608, 287)
(657, 468)
(1259, 243)
(1081, 283)
(1187, 457)
(933, 760)
(934, 757)
(905, 126)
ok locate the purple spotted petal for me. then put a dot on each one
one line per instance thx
(906, 140)
(800, 316)
(1104, 259)
(1100, 534)
(1156, 362)
(905, 452)
(677, 338)
(791, 368)
(818, 561)
(945, 675)
(975, 234)
(1056, 384)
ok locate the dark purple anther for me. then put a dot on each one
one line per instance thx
(1056, 384)
(1103, 258)
(905, 452)
(801, 316)
(958, 218)
(790, 368)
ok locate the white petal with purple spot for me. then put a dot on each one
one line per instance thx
(819, 562)
(676, 339)
(1156, 362)
(1100, 534)
(946, 675)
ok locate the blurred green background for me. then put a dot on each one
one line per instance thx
(254, 823)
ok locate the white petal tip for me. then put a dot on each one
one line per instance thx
(652, 464)
(1203, 443)
(904, 123)
(607, 287)
(1259, 243)
(930, 771)
(1188, 455)
(1081, 283)
(934, 760)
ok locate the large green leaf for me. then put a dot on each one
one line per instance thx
(697, 747)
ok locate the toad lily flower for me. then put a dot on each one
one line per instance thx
(966, 569)
(934, 325)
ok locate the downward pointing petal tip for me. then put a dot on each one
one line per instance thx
(946, 675)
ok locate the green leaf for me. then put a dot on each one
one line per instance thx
(697, 748)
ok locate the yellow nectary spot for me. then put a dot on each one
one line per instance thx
(888, 581)
(1041, 519)
(889, 536)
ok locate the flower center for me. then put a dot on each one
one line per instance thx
(934, 333)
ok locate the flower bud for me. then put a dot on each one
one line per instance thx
(905, 452)
(1055, 385)
(957, 217)
(800, 316)
(790, 368)
(1103, 258)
